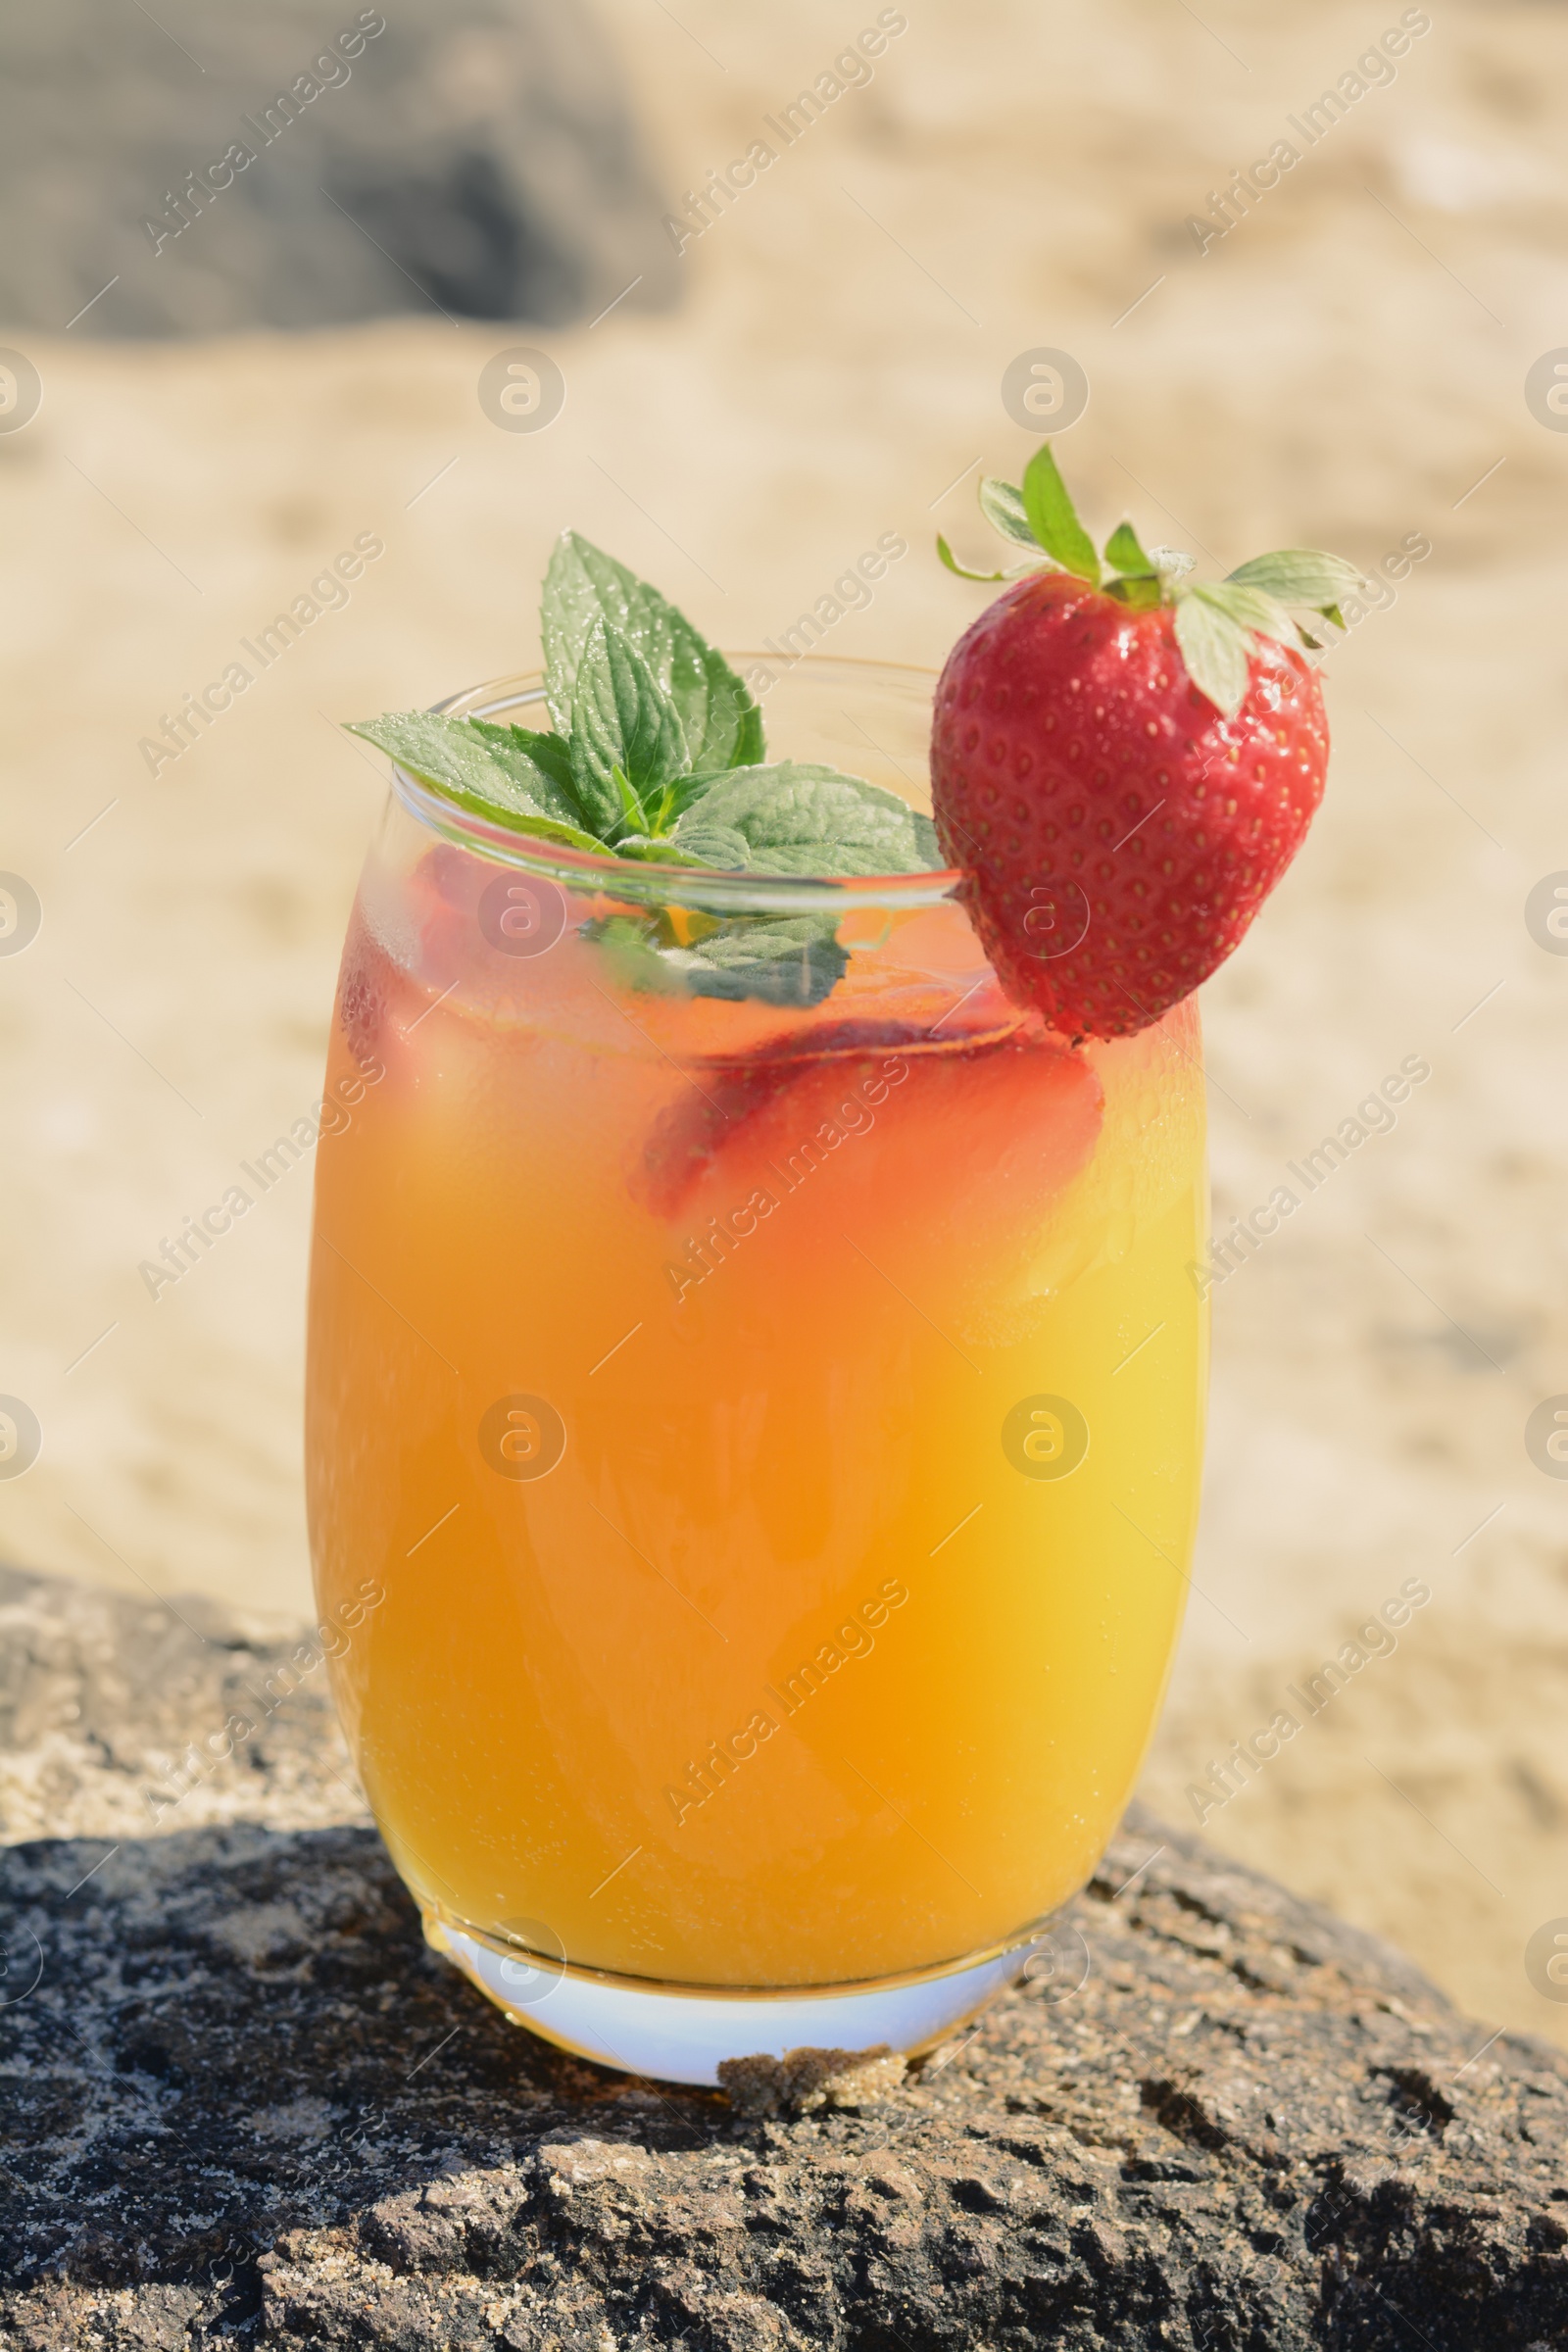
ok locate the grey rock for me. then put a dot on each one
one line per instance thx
(477, 158)
(122, 1717)
(247, 2105)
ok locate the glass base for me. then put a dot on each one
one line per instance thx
(681, 2035)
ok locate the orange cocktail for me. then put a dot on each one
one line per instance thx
(776, 1426)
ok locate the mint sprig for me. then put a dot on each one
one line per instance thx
(657, 752)
(657, 757)
(1218, 624)
(794, 818)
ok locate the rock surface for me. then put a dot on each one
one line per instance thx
(476, 159)
(246, 2104)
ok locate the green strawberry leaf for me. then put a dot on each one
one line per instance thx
(795, 817)
(1215, 649)
(1124, 554)
(720, 716)
(1301, 576)
(1003, 509)
(497, 780)
(1014, 572)
(628, 742)
(1053, 518)
(1262, 614)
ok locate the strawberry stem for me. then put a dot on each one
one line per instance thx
(1218, 626)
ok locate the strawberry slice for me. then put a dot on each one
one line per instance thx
(884, 1131)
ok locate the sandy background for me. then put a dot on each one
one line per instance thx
(1341, 371)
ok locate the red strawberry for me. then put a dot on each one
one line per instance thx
(1125, 771)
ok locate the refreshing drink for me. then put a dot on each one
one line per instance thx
(776, 1431)
(757, 1340)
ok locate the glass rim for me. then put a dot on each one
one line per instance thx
(701, 888)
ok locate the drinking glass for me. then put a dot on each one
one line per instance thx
(754, 1414)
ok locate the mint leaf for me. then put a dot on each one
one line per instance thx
(648, 851)
(710, 844)
(550, 751)
(1053, 518)
(1301, 576)
(680, 794)
(1124, 554)
(1003, 509)
(788, 960)
(793, 960)
(633, 817)
(795, 817)
(497, 780)
(628, 742)
(1215, 649)
(723, 723)
(582, 586)
(720, 717)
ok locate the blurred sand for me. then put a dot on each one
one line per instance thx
(1340, 371)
